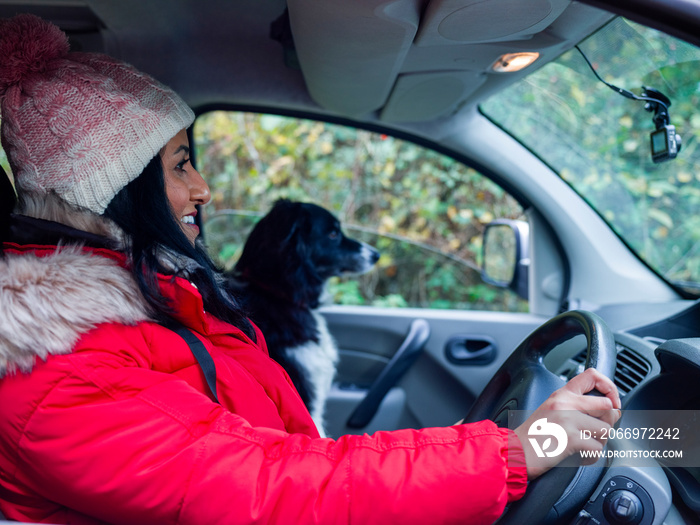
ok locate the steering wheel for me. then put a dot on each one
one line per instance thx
(524, 383)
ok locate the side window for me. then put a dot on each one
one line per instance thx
(425, 212)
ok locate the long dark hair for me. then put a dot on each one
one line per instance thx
(142, 210)
(7, 204)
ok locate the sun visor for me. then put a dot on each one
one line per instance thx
(351, 52)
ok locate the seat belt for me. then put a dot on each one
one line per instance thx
(200, 353)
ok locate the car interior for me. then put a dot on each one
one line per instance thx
(558, 144)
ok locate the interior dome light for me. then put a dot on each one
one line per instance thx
(511, 62)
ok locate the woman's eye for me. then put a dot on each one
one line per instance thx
(181, 165)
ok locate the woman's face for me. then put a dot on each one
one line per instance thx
(184, 186)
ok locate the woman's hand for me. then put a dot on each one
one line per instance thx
(575, 412)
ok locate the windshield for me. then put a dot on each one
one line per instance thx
(599, 142)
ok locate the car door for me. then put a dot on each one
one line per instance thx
(421, 334)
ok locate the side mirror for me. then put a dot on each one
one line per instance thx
(505, 255)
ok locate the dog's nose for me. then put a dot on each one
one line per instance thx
(374, 255)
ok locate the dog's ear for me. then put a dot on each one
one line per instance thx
(262, 241)
(308, 284)
(271, 239)
(285, 221)
(291, 234)
(294, 250)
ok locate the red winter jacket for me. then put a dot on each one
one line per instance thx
(107, 417)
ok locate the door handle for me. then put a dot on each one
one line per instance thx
(405, 356)
(469, 350)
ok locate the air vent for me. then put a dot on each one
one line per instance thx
(631, 368)
(580, 358)
(630, 371)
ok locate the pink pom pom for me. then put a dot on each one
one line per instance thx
(27, 45)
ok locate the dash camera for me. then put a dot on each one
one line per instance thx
(665, 143)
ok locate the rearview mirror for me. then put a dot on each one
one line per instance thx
(505, 255)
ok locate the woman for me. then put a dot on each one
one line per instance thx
(105, 414)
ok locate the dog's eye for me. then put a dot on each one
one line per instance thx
(334, 234)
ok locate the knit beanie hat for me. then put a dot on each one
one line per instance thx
(83, 125)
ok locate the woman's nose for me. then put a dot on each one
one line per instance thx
(199, 189)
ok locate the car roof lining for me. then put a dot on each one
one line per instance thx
(407, 62)
(376, 68)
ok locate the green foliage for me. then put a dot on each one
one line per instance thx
(3, 162)
(423, 211)
(345, 292)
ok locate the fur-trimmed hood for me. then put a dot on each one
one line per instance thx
(48, 300)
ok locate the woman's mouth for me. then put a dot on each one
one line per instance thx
(189, 221)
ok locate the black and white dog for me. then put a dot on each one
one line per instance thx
(280, 278)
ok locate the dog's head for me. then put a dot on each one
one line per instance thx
(296, 247)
